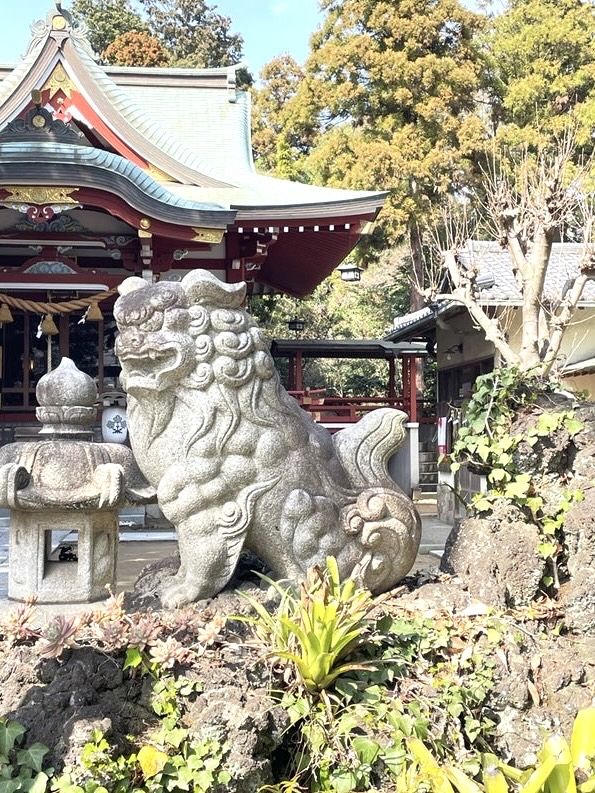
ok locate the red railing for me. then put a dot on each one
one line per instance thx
(348, 410)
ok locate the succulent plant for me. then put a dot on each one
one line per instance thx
(144, 632)
(58, 636)
(168, 652)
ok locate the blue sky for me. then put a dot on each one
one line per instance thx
(269, 27)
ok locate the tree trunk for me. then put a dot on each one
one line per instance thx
(417, 258)
(533, 283)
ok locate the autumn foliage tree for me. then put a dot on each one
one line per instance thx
(136, 48)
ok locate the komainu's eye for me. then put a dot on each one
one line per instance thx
(152, 323)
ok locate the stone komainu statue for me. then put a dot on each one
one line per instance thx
(236, 461)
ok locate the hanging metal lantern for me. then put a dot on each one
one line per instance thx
(350, 272)
(296, 325)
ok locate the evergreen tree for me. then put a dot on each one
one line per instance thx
(193, 32)
(275, 142)
(542, 56)
(106, 20)
(390, 90)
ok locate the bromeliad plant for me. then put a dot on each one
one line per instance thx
(313, 631)
(562, 768)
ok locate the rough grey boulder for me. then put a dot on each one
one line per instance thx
(496, 557)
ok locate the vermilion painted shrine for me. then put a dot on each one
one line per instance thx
(111, 171)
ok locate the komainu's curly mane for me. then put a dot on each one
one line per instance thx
(235, 459)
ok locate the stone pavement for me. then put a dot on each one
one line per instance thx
(138, 548)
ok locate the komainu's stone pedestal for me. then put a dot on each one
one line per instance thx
(39, 573)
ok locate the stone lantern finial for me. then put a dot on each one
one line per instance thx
(67, 400)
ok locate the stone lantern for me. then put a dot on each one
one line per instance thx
(65, 482)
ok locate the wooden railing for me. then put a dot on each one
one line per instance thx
(348, 410)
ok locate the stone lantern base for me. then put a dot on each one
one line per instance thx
(33, 569)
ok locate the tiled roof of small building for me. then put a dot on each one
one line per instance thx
(495, 262)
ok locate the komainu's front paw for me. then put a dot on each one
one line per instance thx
(180, 593)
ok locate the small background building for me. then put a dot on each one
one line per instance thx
(462, 352)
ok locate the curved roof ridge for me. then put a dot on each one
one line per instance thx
(216, 71)
(14, 79)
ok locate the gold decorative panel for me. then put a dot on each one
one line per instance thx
(33, 194)
(212, 236)
(59, 81)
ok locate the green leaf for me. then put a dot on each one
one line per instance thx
(547, 549)
(32, 757)
(9, 785)
(573, 425)
(518, 488)
(40, 784)
(151, 760)
(498, 474)
(134, 658)
(535, 503)
(343, 781)
(482, 505)
(366, 749)
(10, 734)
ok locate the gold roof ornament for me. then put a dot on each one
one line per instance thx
(40, 195)
(59, 81)
(59, 22)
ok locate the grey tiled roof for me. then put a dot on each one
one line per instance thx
(492, 260)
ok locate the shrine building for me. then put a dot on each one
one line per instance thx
(107, 172)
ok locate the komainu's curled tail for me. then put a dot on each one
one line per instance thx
(382, 518)
(365, 448)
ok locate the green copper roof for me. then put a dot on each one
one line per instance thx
(81, 166)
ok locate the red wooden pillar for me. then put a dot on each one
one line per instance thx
(291, 374)
(392, 390)
(299, 371)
